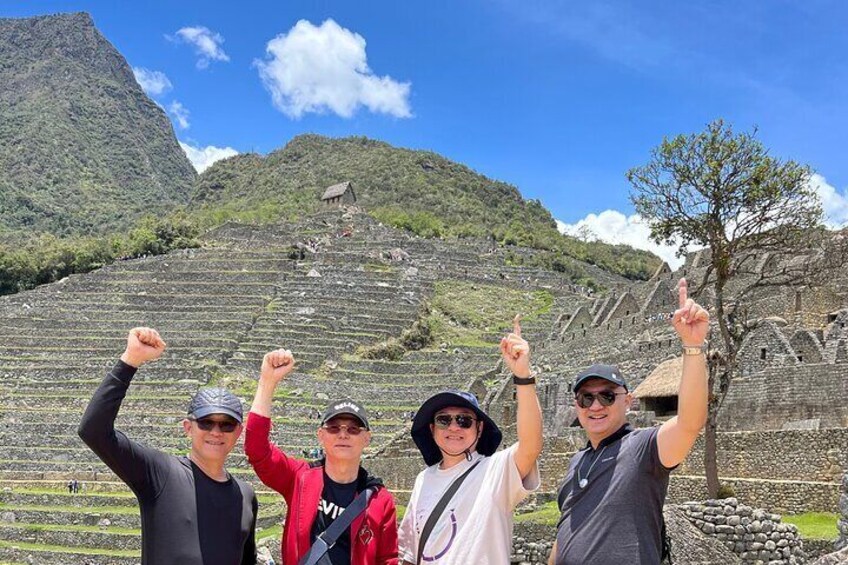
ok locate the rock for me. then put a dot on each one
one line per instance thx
(313, 273)
(8, 517)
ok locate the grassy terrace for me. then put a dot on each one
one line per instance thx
(465, 313)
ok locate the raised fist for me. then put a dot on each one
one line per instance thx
(143, 345)
(690, 321)
(516, 351)
(276, 365)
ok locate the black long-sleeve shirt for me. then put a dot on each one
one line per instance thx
(172, 532)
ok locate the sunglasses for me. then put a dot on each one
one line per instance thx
(464, 421)
(335, 429)
(605, 397)
(207, 425)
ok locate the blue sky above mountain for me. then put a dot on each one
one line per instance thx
(558, 98)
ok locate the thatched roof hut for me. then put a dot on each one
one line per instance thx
(658, 392)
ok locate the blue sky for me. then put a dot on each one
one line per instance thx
(557, 97)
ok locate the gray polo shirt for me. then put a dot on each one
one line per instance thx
(617, 516)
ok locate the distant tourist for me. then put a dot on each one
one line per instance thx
(461, 508)
(612, 498)
(336, 512)
(193, 511)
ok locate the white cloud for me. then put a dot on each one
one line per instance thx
(203, 157)
(207, 44)
(325, 68)
(611, 226)
(834, 203)
(153, 83)
(180, 113)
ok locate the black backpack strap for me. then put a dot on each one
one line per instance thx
(439, 509)
(329, 536)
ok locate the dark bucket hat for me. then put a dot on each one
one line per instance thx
(489, 440)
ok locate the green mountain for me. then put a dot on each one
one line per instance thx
(82, 148)
(418, 190)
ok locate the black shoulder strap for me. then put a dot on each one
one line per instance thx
(329, 536)
(438, 509)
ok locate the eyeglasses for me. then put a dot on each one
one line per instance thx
(605, 397)
(226, 426)
(335, 429)
(464, 421)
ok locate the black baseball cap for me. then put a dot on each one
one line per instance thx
(348, 407)
(209, 401)
(609, 373)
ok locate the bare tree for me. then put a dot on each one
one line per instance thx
(761, 222)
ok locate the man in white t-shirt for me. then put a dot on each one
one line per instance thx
(454, 435)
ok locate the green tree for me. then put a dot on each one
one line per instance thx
(722, 191)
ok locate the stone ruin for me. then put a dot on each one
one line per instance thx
(754, 535)
(249, 289)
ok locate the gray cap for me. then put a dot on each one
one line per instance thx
(609, 373)
(215, 401)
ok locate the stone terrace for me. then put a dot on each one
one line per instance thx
(323, 288)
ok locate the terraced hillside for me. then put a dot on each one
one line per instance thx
(327, 288)
(370, 312)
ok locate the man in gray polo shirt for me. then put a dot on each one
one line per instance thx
(612, 497)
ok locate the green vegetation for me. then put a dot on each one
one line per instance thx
(815, 525)
(82, 149)
(547, 514)
(48, 258)
(465, 313)
(419, 191)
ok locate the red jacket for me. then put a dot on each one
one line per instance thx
(373, 533)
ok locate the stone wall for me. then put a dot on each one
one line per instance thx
(842, 542)
(780, 496)
(777, 395)
(756, 536)
(804, 455)
(531, 544)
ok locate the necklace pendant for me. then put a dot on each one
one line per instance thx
(583, 483)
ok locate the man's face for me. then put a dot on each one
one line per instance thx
(339, 443)
(455, 439)
(601, 421)
(212, 444)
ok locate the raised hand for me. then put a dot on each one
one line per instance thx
(276, 365)
(516, 351)
(143, 345)
(690, 321)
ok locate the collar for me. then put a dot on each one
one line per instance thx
(617, 435)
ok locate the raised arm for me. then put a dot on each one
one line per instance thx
(131, 461)
(677, 436)
(271, 464)
(516, 354)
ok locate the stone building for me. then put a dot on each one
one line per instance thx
(338, 194)
(658, 392)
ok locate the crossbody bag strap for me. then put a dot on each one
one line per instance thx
(329, 536)
(439, 509)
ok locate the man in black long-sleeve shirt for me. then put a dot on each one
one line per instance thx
(192, 511)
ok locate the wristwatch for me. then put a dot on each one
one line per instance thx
(531, 380)
(695, 350)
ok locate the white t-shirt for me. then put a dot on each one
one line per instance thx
(476, 526)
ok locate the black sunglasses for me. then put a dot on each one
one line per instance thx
(605, 397)
(464, 421)
(208, 424)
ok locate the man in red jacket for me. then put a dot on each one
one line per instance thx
(316, 493)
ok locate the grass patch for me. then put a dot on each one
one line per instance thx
(466, 313)
(548, 514)
(815, 525)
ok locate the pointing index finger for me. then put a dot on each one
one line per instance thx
(516, 325)
(682, 292)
